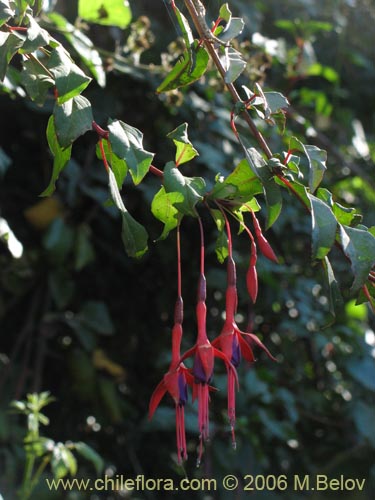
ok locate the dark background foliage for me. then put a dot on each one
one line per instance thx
(82, 320)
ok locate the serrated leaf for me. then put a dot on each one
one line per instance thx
(35, 37)
(298, 190)
(271, 189)
(70, 79)
(163, 208)
(359, 247)
(345, 215)
(233, 63)
(185, 151)
(316, 158)
(233, 28)
(72, 119)
(134, 235)
(9, 45)
(36, 81)
(127, 144)
(91, 455)
(118, 165)
(324, 225)
(225, 13)
(240, 185)
(191, 65)
(61, 156)
(82, 45)
(275, 101)
(6, 12)
(105, 12)
(192, 188)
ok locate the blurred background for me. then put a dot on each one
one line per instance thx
(82, 320)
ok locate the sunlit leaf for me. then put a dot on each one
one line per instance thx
(185, 151)
(70, 79)
(324, 225)
(61, 156)
(192, 188)
(189, 68)
(164, 209)
(127, 144)
(106, 12)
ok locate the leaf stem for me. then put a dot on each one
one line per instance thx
(231, 88)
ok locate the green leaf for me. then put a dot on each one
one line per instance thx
(72, 119)
(36, 81)
(234, 64)
(35, 37)
(6, 12)
(91, 455)
(70, 79)
(184, 148)
(118, 165)
(105, 12)
(324, 225)
(191, 65)
(240, 185)
(184, 26)
(359, 247)
(9, 45)
(317, 161)
(134, 235)
(221, 246)
(275, 101)
(82, 45)
(61, 156)
(127, 144)
(84, 252)
(192, 188)
(334, 294)
(271, 189)
(163, 208)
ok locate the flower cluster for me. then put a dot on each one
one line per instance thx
(230, 345)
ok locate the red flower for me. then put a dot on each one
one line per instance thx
(204, 355)
(175, 383)
(233, 342)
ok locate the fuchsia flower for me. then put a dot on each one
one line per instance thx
(175, 383)
(204, 355)
(233, 342)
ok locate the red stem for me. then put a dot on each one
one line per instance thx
(202, 245)
(179, 279)
(103, 154)
(103, 134)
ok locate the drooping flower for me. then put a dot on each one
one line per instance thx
(204, 355)
(177, 378)
(232, 341)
